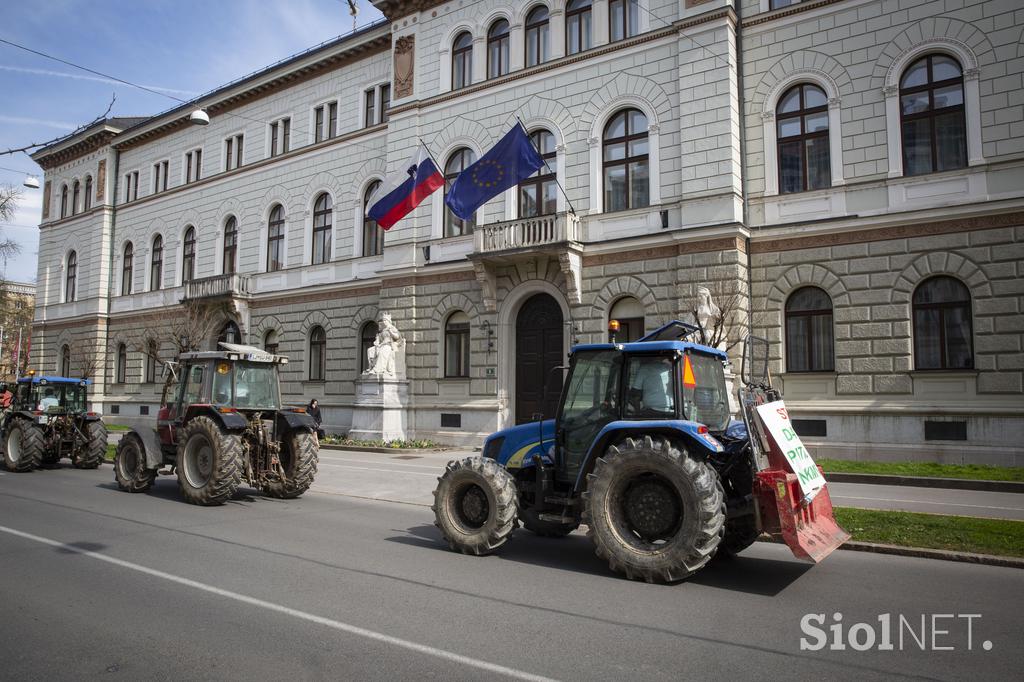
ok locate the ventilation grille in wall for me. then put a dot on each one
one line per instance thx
(115, 409)
(811, 428)
(451, 421)
(144, 410)
(934, 430)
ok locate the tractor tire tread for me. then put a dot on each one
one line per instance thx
(31, 446)
(95, 449)
(140, 479)
(303, 469)
(498, 483)
(227, 466)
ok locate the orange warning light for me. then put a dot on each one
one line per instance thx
(689, 381)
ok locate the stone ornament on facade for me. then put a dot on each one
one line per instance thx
(707, 311)
(381, 355)
(404, 66)
(101, 179)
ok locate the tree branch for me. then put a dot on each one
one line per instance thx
(36, 145)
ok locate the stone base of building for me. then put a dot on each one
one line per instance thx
(381, 409)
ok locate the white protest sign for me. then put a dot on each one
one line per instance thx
(775, 418)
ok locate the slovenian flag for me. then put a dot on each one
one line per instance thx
(398, 195)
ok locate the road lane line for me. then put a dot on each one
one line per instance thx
(389, 471)
(937, 504)
(288, 611)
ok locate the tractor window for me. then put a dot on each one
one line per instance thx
(256, 386)
(194, 385)
(590, 403)
(650, 392)
(222, 380)
(73, 399)
(705, 396)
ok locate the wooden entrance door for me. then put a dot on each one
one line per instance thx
(540, 347)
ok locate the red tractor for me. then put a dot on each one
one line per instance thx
(224, 425)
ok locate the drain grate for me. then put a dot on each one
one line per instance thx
(407, 457)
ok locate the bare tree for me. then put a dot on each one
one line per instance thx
(86, 359)
(9, 195)
(188, 329)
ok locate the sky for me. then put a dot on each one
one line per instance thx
(181, 48)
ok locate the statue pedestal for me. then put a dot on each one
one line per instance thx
(380, 408)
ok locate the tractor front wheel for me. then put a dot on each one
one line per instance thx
(475, 505)
(130, 472)
(653, 511)
(23, 447)
(90, 454)
(209, 462)
(299, 458)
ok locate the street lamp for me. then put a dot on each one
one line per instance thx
(31, 181)
(199, 118)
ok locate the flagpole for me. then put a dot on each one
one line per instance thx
(425, 147)
(552, 172)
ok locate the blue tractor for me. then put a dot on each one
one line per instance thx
(49, 419)
(644, 452)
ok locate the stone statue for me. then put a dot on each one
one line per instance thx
(381, 355)
(707, 312)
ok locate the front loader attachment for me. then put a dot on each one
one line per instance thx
(808, 528)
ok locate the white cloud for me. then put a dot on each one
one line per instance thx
(60, 125)
(85, 77)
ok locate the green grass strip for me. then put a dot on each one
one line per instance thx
(117, 427)
(934, 531)
(926, 469)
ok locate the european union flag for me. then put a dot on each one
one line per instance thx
(504, 165)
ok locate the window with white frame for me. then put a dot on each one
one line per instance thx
(376, 102)
(65, 360)
(233, 147)
(317, 353)
(275, 239)
(578, 23)
(127, 269)
(131, 186)
(626, 162)
(188, 255)
(623, 19)
(156, 264)
(803, 139)
(280, 136)
(322, 228)
(230, 256)
(121, 369)
(932, 121)
(373, 235)
(498, 49)
(538, 42)
(160, 169)
(460, 160)
(456, 345)
(193, 165)
(462, 60)
(87, 198)
(325, 121)
(64, 201)
(75, 193)
(71, 278)
(538, 194)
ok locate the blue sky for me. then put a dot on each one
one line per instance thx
(181, 47)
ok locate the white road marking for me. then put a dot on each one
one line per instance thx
(939, 504)
(294, 613)
(379, 461)
(390, 471)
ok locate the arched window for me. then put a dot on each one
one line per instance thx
(75, 193)
(456, 345)
(457, 162)
(538, 194)
(270, 343)
(373, 236)
(537, 41)
(932, 116)
(122, 364)
(809, 336)
(87, 199)
(156, 264)
(802, 120)
(623, 19)
(188, 256)
(275, 239)
(71, 280)
(626, 172)
(64, 201)
(230, 246)
(322, 228)
(462, 60)
(577, 26)
(497, 49)
(629, 313)
(127, 269)
(65, 360)
(229, 333)
(943, 330)
(317, 353)
(367, 335)
(151, 360)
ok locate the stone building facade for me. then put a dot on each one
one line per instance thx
(847, 174)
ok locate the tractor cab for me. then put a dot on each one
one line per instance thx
(50, 394)
(650, 386)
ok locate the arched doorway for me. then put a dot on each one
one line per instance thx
(540, 347)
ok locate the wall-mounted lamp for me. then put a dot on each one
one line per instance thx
(426, 253)
(485, 327)
(664, 220)
(613, 329)
(199, 118)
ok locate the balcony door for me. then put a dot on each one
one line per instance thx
(540, 347)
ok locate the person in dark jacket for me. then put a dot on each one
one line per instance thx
(314, 411)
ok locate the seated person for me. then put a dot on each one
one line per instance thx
(650, 391)
(48, 400)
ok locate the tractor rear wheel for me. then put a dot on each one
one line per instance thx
(130, 472)
(475, 505)
(299, 456)
(23, 447)
(209, 462)
(549, 529)
(653, 511)
(91, 454)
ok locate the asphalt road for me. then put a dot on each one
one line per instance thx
(99, 582)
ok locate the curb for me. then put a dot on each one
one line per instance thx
(386, 451)
(927, 482)
(946, 555)
(924, 553)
